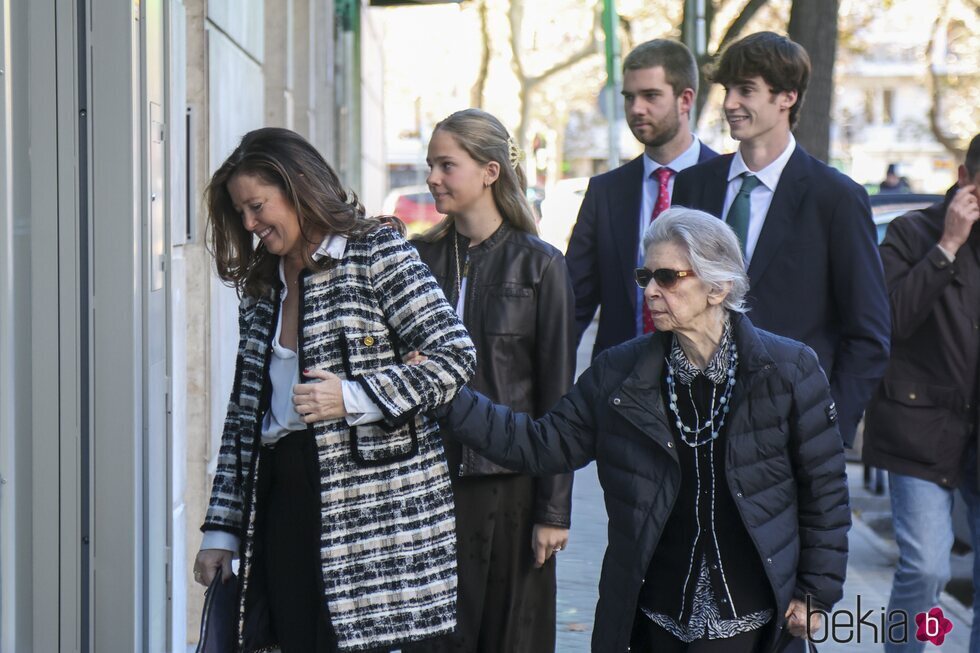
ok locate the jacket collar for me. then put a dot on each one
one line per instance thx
(646, 373)
(490, 242)
(640, 397)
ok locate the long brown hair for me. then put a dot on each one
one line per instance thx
(485, 139)
(284, 159)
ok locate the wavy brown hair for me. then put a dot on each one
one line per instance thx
(485, 139)
(284, 159)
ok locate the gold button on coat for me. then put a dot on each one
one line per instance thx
(368, 341)
(912, 396)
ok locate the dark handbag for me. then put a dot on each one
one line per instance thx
(789, 644)
(219, 616)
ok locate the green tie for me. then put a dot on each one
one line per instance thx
(741, 209)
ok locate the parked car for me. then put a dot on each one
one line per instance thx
(888, 206)
(559, 210)
(414, 205)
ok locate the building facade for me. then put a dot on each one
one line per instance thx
(116, 339)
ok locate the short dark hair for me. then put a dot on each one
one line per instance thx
(680, 66)
(972, 161)
(783, 63)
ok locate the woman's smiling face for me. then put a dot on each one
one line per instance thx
(267, 214)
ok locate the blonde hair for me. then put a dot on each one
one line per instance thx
(485, 139)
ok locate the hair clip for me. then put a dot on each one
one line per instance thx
(514, 153)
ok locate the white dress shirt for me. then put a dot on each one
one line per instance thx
(761, 197)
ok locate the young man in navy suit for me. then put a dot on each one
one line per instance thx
(806, 229)
(660, 83)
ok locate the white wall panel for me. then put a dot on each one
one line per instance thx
(242, 21)
(236, 92)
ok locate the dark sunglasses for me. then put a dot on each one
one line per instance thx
(665, 277)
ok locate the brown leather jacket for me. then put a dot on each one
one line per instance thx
(519, 310)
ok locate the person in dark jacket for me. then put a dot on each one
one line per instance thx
(513, 293)
(718, 453)
(922, 423)
(660, 87)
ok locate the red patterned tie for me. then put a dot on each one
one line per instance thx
(663, 203)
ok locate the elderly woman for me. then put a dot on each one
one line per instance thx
(718, 453)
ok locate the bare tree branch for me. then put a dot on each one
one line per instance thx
(476, 93)
(732, 32)
(740, 21)
(586, 52)
(515, 14)
(528, 84)
(944, 139)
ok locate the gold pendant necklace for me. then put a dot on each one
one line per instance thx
(460, 270)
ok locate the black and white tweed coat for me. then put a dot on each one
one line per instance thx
(387, 543)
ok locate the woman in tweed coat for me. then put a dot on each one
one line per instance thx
(333, 491)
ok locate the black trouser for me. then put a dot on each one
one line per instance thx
(649, 637)
(288, 545)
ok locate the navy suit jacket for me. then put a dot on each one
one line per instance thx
(602, 252)
(815, 274)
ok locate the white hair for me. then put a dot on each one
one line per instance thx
(712, 247)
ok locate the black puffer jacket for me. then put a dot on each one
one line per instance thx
(784, 464)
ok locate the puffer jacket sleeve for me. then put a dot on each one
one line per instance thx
(226, 506)
(554, 371)
(817, 455)
(419, 315)
(561, 441)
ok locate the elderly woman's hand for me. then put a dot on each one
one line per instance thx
(319, 401)
(796, 618)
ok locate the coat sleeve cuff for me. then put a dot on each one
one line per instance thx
(360, 408)
(558, 520)
(220, 540)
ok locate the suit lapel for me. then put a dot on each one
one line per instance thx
(624, 211)
(779, 220)
(706, 153)
(713, 191)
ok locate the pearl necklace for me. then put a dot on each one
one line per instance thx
(692, 435)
